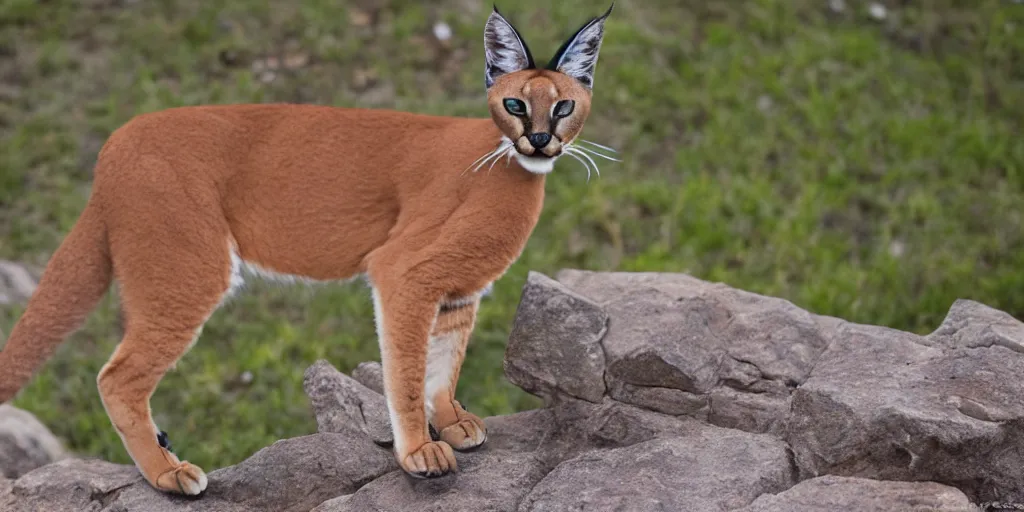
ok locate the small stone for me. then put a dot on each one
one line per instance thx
(359, 18)
(877, 11)
(442, 31)
(246, 377)
(765, 103)
(228, 58)
(296, 60)
(16, 283)
(897, 248)
(25, 443)
(837, 6)
(363, 78)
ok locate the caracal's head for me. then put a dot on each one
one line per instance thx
(540, 111)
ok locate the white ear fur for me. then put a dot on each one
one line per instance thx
(578, 58)
(504, 50)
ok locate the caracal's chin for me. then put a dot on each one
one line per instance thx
(537, 164)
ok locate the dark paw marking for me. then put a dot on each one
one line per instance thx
(427, 474)
(164, 442)
(434, 435)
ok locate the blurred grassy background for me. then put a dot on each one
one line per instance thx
(868, 166)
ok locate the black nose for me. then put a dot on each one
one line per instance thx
(539, 140)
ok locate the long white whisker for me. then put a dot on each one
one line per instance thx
(479, 161)
(464, 171)
(591, 160)
(496, 160)
(596, 153)
(493, 155)
(580, 160)
(606, 148)
(484, 160)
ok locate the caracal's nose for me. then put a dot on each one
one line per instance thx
(539, 140)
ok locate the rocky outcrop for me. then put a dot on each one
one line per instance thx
(662, 392)
(832, 493)
(852, 400)
(883, 404)
(343, 405)
(290, 475)
(25, 444)
(676, 345)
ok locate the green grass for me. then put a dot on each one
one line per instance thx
(867, 169)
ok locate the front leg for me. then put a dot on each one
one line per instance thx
(405, 314)
(446, 351)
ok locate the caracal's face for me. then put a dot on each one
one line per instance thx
(540, 111)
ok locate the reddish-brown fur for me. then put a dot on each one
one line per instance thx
(319, 192)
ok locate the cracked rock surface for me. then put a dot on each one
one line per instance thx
(662, 392)
(25, 443)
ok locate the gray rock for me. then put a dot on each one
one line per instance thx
(580, 426)
(676, 343)
(832, 493)
(971, 324)
(883, 404)
(520, 432)
(555, 343)
(371, 375)
(751, 412)
(664, 400)
(141, 497)
(299, 473)
(487, 480)
(707, 468)
(291, 475)
(69, 484)
(662, 392)
(16, 283)
(25, 443)
(496, 476)
(343, 405)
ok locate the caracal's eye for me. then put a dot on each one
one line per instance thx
(515, 107)
(564, 108)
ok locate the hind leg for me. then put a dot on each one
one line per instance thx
(126, 383)
(165, 306)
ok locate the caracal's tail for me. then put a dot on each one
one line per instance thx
(75, 279)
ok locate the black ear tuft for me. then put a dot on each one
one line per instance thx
(578, 55)
(505, 51)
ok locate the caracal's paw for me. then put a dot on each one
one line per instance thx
(432, 460)
(186, 478)
(469, 433)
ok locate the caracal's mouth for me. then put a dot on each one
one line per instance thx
(537, 163)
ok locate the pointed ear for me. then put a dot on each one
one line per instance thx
(505, 51)
(578, 56)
